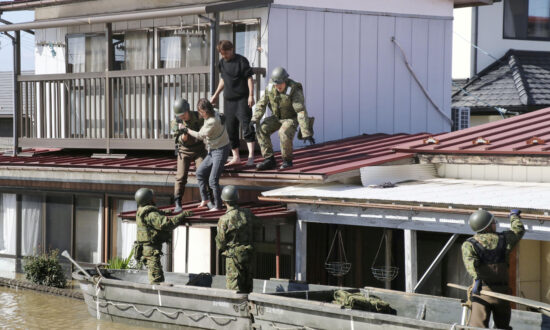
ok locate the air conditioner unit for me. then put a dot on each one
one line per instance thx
(461, 118)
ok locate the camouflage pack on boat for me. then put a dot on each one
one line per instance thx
(358, 301)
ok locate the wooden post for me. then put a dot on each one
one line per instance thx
(389, 235)
(301, 250)
(411, 267)
(277, 251)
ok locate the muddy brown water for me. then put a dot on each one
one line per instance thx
(28, 309)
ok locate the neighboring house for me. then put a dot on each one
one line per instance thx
(6, 103)
(109, 71)
(485, 40)
(497, 166)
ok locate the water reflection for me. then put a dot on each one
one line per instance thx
(27, 309)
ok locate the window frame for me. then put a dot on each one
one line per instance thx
(521, 38)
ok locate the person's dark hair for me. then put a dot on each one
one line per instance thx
(225, 45)
(206, 106)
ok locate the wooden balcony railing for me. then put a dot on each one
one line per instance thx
(105, 110)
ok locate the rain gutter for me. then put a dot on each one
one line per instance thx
(401, 207)
(137, 15)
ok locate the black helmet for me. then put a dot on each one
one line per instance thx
(144, 196)
(181, 106)
(279, 75)
(479, 220)
(230, 194)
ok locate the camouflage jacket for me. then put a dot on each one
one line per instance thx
(289, 104)
(195, 123)
(153, 225)
(489, 241)
(235, 228)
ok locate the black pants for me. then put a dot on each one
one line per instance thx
(236, 111)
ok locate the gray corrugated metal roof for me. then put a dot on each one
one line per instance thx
(518, 79)
(466, 193)
(6, 91)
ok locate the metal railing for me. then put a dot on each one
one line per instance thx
(105, 110)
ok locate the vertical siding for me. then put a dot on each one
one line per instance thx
(332, 68)
(355, 78)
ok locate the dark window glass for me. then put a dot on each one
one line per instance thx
(58, 223)
(527, 19)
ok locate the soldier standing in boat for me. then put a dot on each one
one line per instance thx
(153, 229)
(234, 238)
(486, 258)
(285, 97)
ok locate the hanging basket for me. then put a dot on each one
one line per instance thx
(337, 268)
(385, 273)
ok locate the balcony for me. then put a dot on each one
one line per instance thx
(105, 110)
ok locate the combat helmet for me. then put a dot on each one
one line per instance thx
(230, 194)
(181, 106)
(279, 75)
(479, 220)
(144, 196)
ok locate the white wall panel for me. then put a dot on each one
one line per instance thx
(314, 83)
(369, 74)
(436, 60)
(402, 94)
(296, 35)
(419, 63)
(386, 79)
(333, 76)
(351, 76)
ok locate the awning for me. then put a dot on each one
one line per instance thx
(137, 15)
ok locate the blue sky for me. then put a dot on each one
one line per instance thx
(27, 47)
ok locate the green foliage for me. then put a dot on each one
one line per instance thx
(45, 269)
(121, 263)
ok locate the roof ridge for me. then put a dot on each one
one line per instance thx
(518, 76)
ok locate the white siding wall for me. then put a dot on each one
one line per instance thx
(355, 79)
(462, 39)
(490, 36)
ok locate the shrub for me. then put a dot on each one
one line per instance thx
(45, 269)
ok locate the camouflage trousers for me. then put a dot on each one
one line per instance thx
(151, 258)
(238, 272)
(287, 129)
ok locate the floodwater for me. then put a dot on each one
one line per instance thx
(27, 309)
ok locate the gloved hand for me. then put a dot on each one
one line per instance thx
(310, 139)
(477, 287)
(515, 212)
(184, 130)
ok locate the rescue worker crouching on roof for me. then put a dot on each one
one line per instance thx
(285, 97)
(153, 229)
(234, 238)
(188, 148)
(486, 258)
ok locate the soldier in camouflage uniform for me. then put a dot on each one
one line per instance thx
(486, 258)
(234, 238)
(188, 148)
(153, 229)
(285, 97)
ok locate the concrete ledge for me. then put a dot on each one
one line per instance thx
(13, 283)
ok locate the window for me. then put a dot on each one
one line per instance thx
(133, 50)
(125, 230)
(86, 53)
(527, 19)
(59, 210)
(184, 48)
(7, 223)
(88, 229)
(31, 225)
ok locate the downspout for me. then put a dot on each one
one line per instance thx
(213, 51)
(473, 70)
(16, 72)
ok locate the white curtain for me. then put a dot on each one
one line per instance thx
(137, 51)
(95, 53)
(251, 44)
(170, 51)
(31, 224)
(7, 224)
(127, 231)
(97, 256)
(77, 53)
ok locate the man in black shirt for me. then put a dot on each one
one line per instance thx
(238, 90)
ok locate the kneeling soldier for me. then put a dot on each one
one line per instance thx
(486, 258)
(153, 229)
(285, 97)
(234, 238)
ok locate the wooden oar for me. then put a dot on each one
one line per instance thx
(539, 306)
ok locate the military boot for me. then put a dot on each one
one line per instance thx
(267, 164)
(286, 164)
(177, 208)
